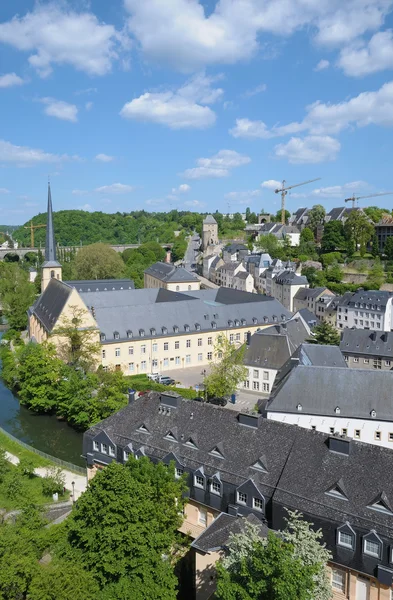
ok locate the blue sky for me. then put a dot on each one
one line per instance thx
(195, 105)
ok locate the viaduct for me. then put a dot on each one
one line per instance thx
(22, 251)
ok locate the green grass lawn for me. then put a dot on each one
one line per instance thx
(30, 493)
(141, 383)
(21, 452)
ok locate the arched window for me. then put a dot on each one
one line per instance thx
(52, 274)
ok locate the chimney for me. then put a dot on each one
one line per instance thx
(131, 396)
(249, 420)
(339, 444)
(168, 256)
(170, 400)
(248, 338)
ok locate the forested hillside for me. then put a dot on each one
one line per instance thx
(75, 226)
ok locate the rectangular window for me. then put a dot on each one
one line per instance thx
(255, 385)
(346, 358)
(344, 431)
(331, 430)
(387, 363)
(355, 359)
(188, 359)
(266, 375)
(199, 341)
(266, 387)
(255, 373)
(377, 436)
(231, 338)
(390, 437)
(200, 357)
(177, 360)
(154, 362)
(143, 365)
(246, 384)
(117, 352)
(371, 548)
(202, 516)
(209, 341)
(111, 451)
(241, 498)
(166, 346)
(154, 347)
(257, 503)
(165, 362)
(215, 488)
(366, 361)
(130, 349)
(338, 580)
(356, 434)
(103, 353)
(131, 367)
(176, 345)
(345, 539)
(199, 481)
(210, 356)
(96, 446)
(245, 336)
(188, 343)
(126, 455)
(104, 449)
(143, 349)
(178, 472)
(238, 337)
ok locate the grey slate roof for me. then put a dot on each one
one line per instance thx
(210, 219)
(169, 273)
(375, 298)
(367, 343)
(320, 355)
(310, 318)
(216, 536)
(319, 390)
(273, 346)
(305, 293)
(229, 266)
(50, 304)
(234, 247)
(291, 278)
(242, 275)
(101, 285)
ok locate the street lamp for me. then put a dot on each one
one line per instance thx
(73, 491)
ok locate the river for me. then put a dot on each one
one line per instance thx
(44, 432)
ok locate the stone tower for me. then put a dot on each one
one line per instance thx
(51, 268)
(209, 232)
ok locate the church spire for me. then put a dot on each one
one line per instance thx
(50, 245)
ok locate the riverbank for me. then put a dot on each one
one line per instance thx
(17, 450)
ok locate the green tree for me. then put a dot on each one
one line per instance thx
(39, 374)
(306, 235)
(98, 261)
(78, 344)
(53, 482)
(277, 217)
(16, 294)
(316, 216)
(333, 237)
(26, 467)
(269, 572)
(125, 528)
(325, 333)
(179, 248)
(375, 213)
(270, 244)
(63, 580)
(4, 465)
(358, 230)
(315, 277)
(388, 248)
(226, 374)
(376, 275)
(334, 273)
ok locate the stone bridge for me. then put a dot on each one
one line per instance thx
(22, 251)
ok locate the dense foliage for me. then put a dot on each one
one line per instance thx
(16, 294)
(226, 370)
(98, 261)
(119, 542)
(325, 333)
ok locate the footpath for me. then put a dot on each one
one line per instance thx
(79, 481)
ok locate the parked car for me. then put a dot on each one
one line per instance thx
(153, 376)
(167, 381)
(218, 401)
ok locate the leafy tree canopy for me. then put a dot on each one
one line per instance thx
(98, 261)
(333, 237)
(226, 374)
(325, 333)
(16, 294)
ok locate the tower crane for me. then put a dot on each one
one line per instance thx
(354, 198)
(283, 190)
(32, 227)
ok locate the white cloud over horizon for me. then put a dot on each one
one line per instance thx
(115, 188)
(216, 166)
(309, 150)
(23, 156)
(10, 80)
(105, 158)
(60, 109)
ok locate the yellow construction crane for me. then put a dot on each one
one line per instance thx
(32, 227)
(354, 198)
(283, 190)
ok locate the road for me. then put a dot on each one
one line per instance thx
(189, 257)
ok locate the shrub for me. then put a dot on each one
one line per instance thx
(53, 482)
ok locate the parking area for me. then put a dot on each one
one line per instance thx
(194, 378)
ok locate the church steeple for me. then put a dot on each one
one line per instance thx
(51, 269)
(50, 245)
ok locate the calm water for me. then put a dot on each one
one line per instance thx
(43, 432)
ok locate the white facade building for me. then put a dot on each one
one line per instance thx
(365, 310)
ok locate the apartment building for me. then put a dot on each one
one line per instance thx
(365, 310)
(308, 298)
(226, 272)
(169, 277)
(285, 286)
(244, 465)
(243, 281)
(234, 252)
(364, 349)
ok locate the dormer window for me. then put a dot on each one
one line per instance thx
(129, 333)
(206, 317)
(142, 332)
(199, 478)
(191, 443)
(372, 545)
(373, 414)
(244, 322)
(299, 407)
(186, 328)
(116, 335)
(217, 451)
(241, 498)
(265, 319)
(255, 320)
(230, 323)
(214, 325)
(197, 327)
(215, 316)
(346, 537)
(171, 437)
(175, 329)
(215, 485)
(164, 330)
(260, 465)
(283, 318)
(237, 322)
(143, 428)
(337, 410)
(275, 318)
(337, 491)
(152, 331)
(102, 337)
(381, 504)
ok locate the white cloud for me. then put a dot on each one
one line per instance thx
(4, 191)
(10, 79)
(23, 156)
(90, 90)
(89, 105)
(60, 109)
(86, 207)
(104, 158)
(115, 188)
(372, 57)
(247, 194)
(180, 109)
(79, 192)
(217, 166)
(182, 189)
(309, 150)
(185, 35)
(245, 128)
(271, 184)
(154, 202)
(55, 34)
(194, 204)
(339, 191)
(322, 65)
(257, 90)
